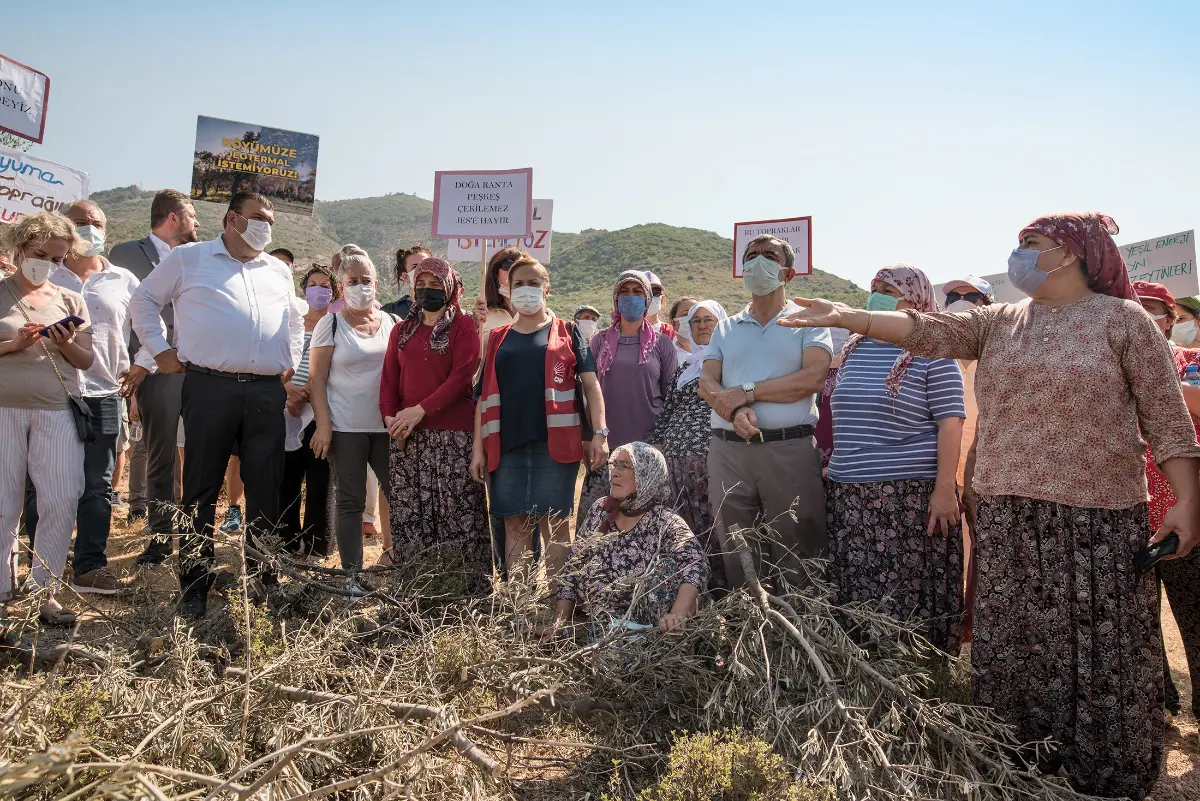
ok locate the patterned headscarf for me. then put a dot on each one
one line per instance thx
(647, 336)
(1090, 237)
(439, 339)
(914, 286)
(650, 484)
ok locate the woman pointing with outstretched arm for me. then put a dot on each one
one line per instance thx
(1066, 630)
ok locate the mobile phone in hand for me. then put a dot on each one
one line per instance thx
(1150, 556)
(70, 319)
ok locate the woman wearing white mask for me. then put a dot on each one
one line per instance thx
(39, 367)
(684, 429)
(346, 362)
(1067, 638)
(495, 307)
(529, 437)
(678, 315)
(1186, 333)
(588, 319)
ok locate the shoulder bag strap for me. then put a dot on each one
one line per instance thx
(42, 341)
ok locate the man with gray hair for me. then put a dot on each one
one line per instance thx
(762, 381)
(107, 290)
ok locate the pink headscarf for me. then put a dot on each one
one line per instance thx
(439, 338)
(1090, 237)
(914, 286)
(647, 336)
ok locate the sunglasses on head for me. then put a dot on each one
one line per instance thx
(969, 297)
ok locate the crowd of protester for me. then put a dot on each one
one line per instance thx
(988, 471)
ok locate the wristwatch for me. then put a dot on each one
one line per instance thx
(602, 432)
(748, 388)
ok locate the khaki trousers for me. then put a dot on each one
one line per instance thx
(774, 493)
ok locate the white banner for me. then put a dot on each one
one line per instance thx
(24, 94)
(1168, 260)
(796, 231)
(29, 185)
(482, 203)
(536, 244)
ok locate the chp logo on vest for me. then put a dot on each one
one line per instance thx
(560, 372)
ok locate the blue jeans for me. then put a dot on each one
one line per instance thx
(93, 520)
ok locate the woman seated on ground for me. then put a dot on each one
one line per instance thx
(891, 499)
(634, 560)
(684, 429)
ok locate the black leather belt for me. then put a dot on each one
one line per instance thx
(770, 435)
(195, 368)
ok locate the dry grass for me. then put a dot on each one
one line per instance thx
(405, 695)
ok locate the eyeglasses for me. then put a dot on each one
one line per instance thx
(969, 297)
(619, 467)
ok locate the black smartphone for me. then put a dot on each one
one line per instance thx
(70, 319)
(1149, 556)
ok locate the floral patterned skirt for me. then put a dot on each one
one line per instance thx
(880, 552)
(438, 514)
(689, 497)
(1067, 641)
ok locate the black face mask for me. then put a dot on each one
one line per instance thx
(430, 300)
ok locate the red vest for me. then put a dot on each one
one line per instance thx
(562, 415)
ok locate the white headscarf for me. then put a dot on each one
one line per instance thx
(695, 360)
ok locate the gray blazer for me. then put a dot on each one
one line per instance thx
(140, 257)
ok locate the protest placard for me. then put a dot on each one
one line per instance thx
(1168, 260)
(29, 184)
(796, 231)
(536, 244)
(234, 157)
(24, 95)
(482, 204)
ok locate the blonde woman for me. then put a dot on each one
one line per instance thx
(40, 359)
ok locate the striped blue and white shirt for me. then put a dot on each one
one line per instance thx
(880, 438)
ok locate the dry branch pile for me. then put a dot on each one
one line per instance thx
(402, 695)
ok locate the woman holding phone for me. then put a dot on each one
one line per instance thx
(41, 354)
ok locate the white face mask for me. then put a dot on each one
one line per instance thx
(681, 330)
(94, 237)
(761, 276)
(504, 291)
(587, 328)
(37, 271)
(655, 306)
(257, 234)
(960, 306)
(405, 288)
(359, 296)
(528, 299)
(1184, 333)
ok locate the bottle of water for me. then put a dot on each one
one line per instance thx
(1192, 375)
(135, 432)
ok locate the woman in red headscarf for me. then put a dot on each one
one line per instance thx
(1066, 637)
(1181, 577)
(437, 512)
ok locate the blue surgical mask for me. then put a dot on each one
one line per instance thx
(631, 307)
(1023, 271)
(761, 275)
(877, 301)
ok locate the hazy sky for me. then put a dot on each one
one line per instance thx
(920, 132)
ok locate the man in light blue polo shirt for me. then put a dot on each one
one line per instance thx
(762, 381)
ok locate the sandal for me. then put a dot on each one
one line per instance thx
(385, 559)
(60, 617)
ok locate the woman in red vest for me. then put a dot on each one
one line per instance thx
(425, 396)
(528, 432)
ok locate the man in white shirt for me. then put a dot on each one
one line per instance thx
(239, 335)
(153, 466)
(106, 289)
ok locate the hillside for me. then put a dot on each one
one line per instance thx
(583, 266)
